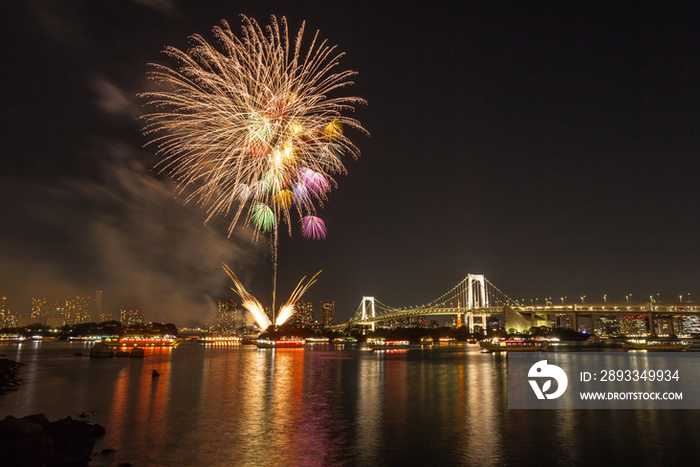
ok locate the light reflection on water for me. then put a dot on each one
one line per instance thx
(239, 406)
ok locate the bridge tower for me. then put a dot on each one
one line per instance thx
(365, 302)
(476, 297)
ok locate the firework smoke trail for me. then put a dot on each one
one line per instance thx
(253, 128)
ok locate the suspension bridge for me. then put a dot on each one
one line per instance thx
(474, 299)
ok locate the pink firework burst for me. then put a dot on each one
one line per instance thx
(314, 181)
(313, 227)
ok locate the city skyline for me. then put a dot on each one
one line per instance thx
(551, 148)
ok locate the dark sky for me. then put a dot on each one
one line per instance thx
(553, 148)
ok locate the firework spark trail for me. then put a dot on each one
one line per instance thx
(252, 304)
(249, 302)
(254, 125)
(288, 308)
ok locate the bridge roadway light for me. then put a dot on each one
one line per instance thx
(605, 298)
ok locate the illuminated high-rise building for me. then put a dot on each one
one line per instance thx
(327, 313)
(225, 320)
(303, 313)
(688, 325)
(39, 308)
(634, 326)
(77, 310)
(130, 317)
(7, 318)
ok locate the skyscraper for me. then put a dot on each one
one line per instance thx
(77, 310)
(327, 313)
(130, 317)
(225, 320)
(303, 313)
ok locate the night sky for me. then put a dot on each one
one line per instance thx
(552, 148)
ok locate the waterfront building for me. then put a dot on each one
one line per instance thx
(303, 313)
(327, 313)
(689, 325)
(77, 311)
(39, 308)
(634, 326)
(608, 326)
(7, 318)
(130, 317)
(104, 316)
(225, 319)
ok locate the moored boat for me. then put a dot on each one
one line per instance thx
(656, 346)
(316, 340)
(11, 338)
(220, 340)
(426, 340)
(514, 345)
(447, 340)
(133, 340)
(345, 341)
(383, 344)
(281, 343)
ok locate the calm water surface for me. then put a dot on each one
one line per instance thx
(240, 406)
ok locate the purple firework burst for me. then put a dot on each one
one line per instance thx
(313, 227)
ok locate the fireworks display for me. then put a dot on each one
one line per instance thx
(252, 304)
(253, 128)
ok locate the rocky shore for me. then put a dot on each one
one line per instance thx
(35, 441)
(8, 375)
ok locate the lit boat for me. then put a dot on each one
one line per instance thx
(657, 346)
(44, 338)
(383, 344)
(426, 340)
(282, 343)
(144, 341)
(472, 341)
(447, 340)
(316, 340)
(514, 345)
(594, 340)
(10, 338)
(345, 341)
(220, 340)
(85, 338)
(250, 339)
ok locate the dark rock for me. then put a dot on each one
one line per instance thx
(87, 414)
(17, 427)
(78, 354)
(101, 350)
(33, 440)
(137, 352)
(39, 419)
(122, 354)
(107, 451)
(125, 464)
(155, 373)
